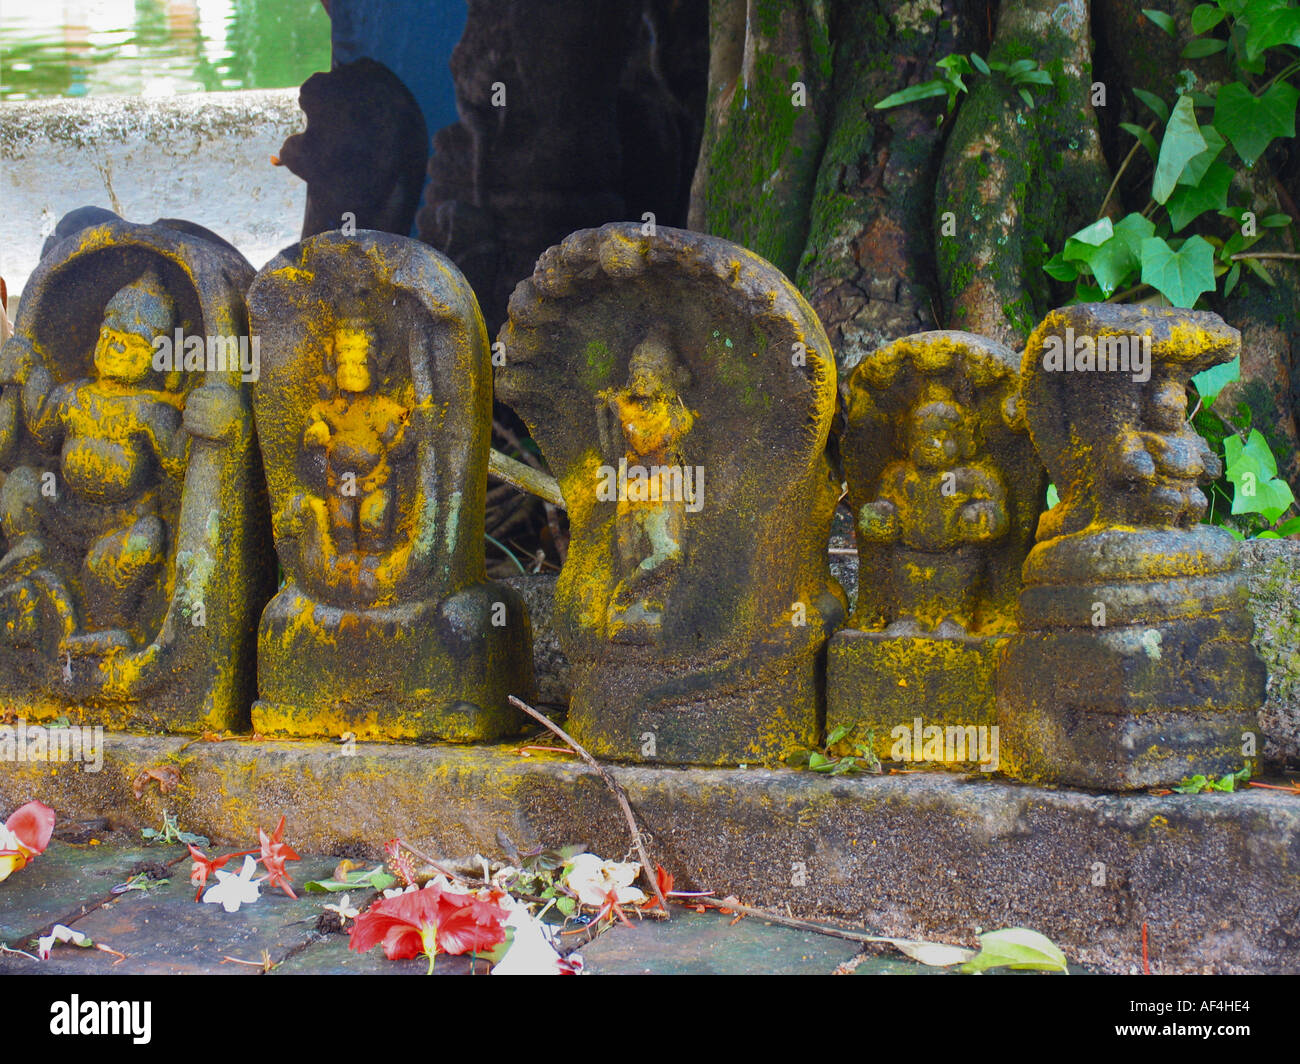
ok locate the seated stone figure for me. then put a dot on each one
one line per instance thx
(118, 441)
(373, 410)
(1134, 666)
(946, 489)
(940, 500)
(129, 506)
(653, 421)
(359, 433)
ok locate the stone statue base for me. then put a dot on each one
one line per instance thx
(630, 706)
(420, 672)
(1136, 668)
(877, 683)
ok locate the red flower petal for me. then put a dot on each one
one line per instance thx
(32, 824)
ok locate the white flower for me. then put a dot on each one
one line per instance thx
(532, 950)
(59, 933)
(232, 890)
(344, 909)
(593, 879)
(394, 892)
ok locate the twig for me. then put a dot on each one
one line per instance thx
(790, 921)
(503, 467)
(613, 785)
(1264, 255)
(1120, 173)
(440, 868)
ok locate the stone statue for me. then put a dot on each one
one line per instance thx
(696, 598)
(651, 521)
(373, 412)
(946, 490)
(130, 503)
(1134, 668)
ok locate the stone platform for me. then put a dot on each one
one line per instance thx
(1215, 877)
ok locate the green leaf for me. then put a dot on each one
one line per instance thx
(1017, 947)
(818, 761)
(1116, 257)
(1199, 165)
(1192, 784)
(566, 905)
(1199, 49)
(838, 734)
(1258, 269)
(1180, 276)
(375, 879)
(980, 65)
(1182, 143)
(1191, 201)
(1210, 382)
(1052, 496)
(1251, 123)
(1234, 275)
(1164, 21)
(1288, 528)
(1206, 17)
(1090, 236)
(1146, 139)
(1275, 221)
(913, 93)
(1057, 268)
(1024, 95)
(1154, 102)
(1252, 469)
(1271, 23)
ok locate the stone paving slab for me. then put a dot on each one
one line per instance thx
(64, 880)
(165, 932)
(330, 955)
(710, 944)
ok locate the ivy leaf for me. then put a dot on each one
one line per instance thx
(1210, 382)
(1191, 201)
(1146, 139)
(913, 93)
(1180, 276)
(1201, 48)
(1161, 19)
(1058, 269)
(1182, 143)
(1251, 122)
(1016, 947)
(1154, 102)
(1090, 236)
(1116, 257)
(1206, 17)
(1198, 165)
(1252, 469)
(1271, 23)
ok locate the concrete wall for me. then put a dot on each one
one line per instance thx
(205, 157)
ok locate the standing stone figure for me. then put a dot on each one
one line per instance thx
(131, 498)
(373, 410)
(1135, 668)
(946, 490)
(682, 392)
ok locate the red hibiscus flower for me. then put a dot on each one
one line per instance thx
(428, 922)
(274, 853)
(23, 836)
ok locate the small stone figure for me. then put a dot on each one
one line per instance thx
(373, 411)
(941, 499)
(934, 442)
(130, 502)
(651, 522)
(361, 433)
(694, 615)
(1134, 668)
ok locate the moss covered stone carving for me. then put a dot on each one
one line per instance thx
(1135, 668)
(682, 392)
(946, 490)
(132, 500)
(373, 409)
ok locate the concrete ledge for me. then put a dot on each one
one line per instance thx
(205, 157)
(1215, 877)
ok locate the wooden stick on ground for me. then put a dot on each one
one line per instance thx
(613, 785)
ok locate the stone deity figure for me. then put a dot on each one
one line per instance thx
(650, 520)
(360, 431)
(118, 440)
(937, 509)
